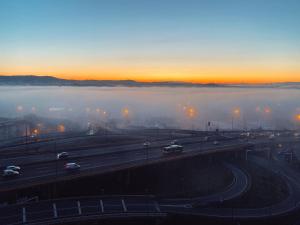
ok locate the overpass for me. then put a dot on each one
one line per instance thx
(104, 207)
(94, 208)
(51, 171)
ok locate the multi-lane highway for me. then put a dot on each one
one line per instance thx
(96, 161)
(76, 209)
(105, 207)
(44, 168)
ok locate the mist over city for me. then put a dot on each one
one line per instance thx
(157, 107)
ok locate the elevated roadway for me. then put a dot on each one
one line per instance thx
(93, 164)
(111, 207)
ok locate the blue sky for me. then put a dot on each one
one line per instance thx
(149, 37)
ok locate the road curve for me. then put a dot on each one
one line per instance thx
(103, 207)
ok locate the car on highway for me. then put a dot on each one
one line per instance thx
(216, 143)
(12, 167)
(146, 144)
(10, 173)
(72, 166)
(272, 136)
(62, 155)
(173, 149)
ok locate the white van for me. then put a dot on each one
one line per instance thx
(173, 149)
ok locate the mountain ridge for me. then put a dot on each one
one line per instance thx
(45, 80)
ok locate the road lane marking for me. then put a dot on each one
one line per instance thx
(24, 215)
(101, 206)
(157, 206)
(79, 207)
(54, 210)
(124, 205)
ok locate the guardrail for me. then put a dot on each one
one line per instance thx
(76, 209)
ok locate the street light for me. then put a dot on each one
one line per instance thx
(33, 109)
(297, 117)
(61, 128)
(235, 113)
(19, 108)
(297, 120)
(191, 112)
(267, 110)
(125, 113)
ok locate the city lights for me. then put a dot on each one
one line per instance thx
(236, 112)
(19, 108)
(61, 128)
(125, 112)
(191, 112)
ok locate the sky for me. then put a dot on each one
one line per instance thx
(224, 41)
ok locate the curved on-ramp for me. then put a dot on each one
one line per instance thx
(104, 207)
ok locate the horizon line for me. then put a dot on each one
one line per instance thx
(151, 81)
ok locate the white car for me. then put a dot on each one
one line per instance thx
(72, 166)
(10, 173)
(12, 167)
(216, 143)
(62, 155)
(173, 149)
(146, 144)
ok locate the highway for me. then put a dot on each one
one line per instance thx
(62, 210)
(113, 158)
(77, 209)
(44, 168)
(241, 182)
(83, 151)
(127, 157)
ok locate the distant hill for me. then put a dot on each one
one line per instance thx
(53, 81)
(32, 80)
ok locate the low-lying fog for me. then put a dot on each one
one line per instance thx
(189, 108)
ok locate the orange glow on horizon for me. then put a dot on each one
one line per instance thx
(212, 73)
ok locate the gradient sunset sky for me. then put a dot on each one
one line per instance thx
(152, 40)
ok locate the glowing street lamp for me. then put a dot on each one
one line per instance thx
(191, 112)
(19, 108)
(35, 132)
(61, 128)
(267, 110)
(297, 117)
(236, 112)
(125, 112)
